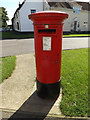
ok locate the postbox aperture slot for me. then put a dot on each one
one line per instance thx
(47, 31)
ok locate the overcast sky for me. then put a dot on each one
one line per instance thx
(12, 5)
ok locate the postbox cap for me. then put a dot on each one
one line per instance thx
(49, 16)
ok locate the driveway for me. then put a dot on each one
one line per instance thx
(23, 46)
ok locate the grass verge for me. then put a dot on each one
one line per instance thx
(8, 65)
(75, 83)
(77, 35)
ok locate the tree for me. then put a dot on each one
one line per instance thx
(3, 17)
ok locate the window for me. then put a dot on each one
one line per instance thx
(17, 25)
(33, 11)
(85, 22)
(76, 9)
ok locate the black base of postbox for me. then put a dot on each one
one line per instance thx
(48, 91)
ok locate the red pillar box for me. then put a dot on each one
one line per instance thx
(48, 30)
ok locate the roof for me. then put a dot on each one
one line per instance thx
(20, 5)
(69, 4)
(60, 4)
(85, 5)
(65, 4)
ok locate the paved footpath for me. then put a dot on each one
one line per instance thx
(17, 89)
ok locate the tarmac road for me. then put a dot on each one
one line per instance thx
(12, 47)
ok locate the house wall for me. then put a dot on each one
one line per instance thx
(16, 22)
(82, 18)
(26, 23)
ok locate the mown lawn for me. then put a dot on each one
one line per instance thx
(75, 82)
(7, 66)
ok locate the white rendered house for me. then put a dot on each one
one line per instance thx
(20, 21)
(77, 21)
